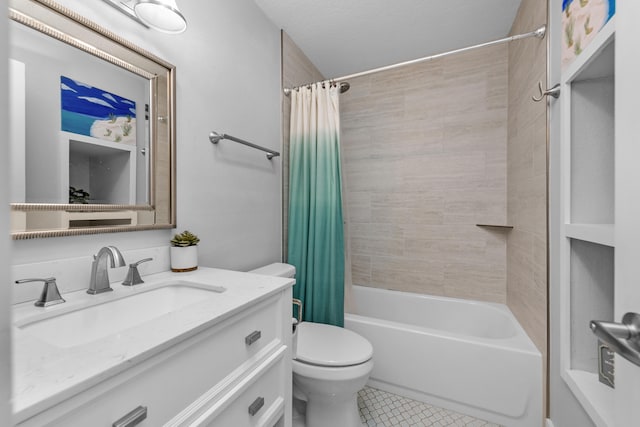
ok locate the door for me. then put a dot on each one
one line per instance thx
(594, 204)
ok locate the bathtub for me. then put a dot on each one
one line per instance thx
(468, 356)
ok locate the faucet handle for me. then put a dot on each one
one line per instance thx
(50, 294)
(137, 263)
(133, 275)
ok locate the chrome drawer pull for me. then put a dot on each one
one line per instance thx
(252, 337)
(133, 418)
(256, 406)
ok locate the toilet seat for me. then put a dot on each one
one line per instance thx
(332, 373)
(331, 346)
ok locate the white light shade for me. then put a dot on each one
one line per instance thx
(161, 15)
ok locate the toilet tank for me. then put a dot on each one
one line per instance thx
(278, 269)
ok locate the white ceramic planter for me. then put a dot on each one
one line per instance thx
(184, 258)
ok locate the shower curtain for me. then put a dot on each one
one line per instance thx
(316, 235)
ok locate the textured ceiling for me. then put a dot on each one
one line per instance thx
(347, 36)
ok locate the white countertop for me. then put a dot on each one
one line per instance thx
(45, 375)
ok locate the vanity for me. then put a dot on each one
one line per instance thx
(206, 348)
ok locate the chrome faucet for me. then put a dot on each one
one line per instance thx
(99, 274)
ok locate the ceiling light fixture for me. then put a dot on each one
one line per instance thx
(161, 15)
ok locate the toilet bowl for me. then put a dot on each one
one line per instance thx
(330, 366)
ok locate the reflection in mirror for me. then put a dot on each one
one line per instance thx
(93, 135)
(98, 111)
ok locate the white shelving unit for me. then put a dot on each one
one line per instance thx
(602, 234)
(107, 170)
(588, 232)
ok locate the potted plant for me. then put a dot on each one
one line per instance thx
(184, 252)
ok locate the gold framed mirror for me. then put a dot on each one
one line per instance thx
(92, 127)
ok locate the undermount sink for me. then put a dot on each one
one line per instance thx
(90, 323)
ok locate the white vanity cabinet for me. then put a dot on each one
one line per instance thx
(235, 373)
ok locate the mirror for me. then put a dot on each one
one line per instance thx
(93, 134)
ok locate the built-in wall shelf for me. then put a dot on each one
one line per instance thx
(588, 188)
(592, 151)
(591, 293)
(104, 169)
(588, 295)
(595, 60)
(602, 234)
(596, 398)
(498, 226)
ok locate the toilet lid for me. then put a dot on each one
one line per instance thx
(327, 345)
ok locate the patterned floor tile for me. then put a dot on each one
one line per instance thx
(383, 409)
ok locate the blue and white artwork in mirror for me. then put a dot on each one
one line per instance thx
(91, 111)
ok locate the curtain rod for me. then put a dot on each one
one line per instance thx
(538, 33)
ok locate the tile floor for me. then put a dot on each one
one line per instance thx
(382, 409)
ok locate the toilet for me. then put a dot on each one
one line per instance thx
(330, 365)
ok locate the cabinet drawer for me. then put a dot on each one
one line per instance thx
(170, 381)
(256, 401)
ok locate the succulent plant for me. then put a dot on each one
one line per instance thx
(184, 239)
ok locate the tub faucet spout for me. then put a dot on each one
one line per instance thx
(99, 274)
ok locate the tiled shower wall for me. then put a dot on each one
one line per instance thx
(527, 177)
(424, 154)
(297, 70)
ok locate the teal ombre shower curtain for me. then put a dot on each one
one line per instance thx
(316, 236)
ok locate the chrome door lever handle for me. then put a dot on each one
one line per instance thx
(623, 338)
(554, 91)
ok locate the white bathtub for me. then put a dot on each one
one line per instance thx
(467, 356)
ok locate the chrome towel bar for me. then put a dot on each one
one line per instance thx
(215, 137)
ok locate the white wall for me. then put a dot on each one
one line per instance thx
(228, 79)
(5, 291)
